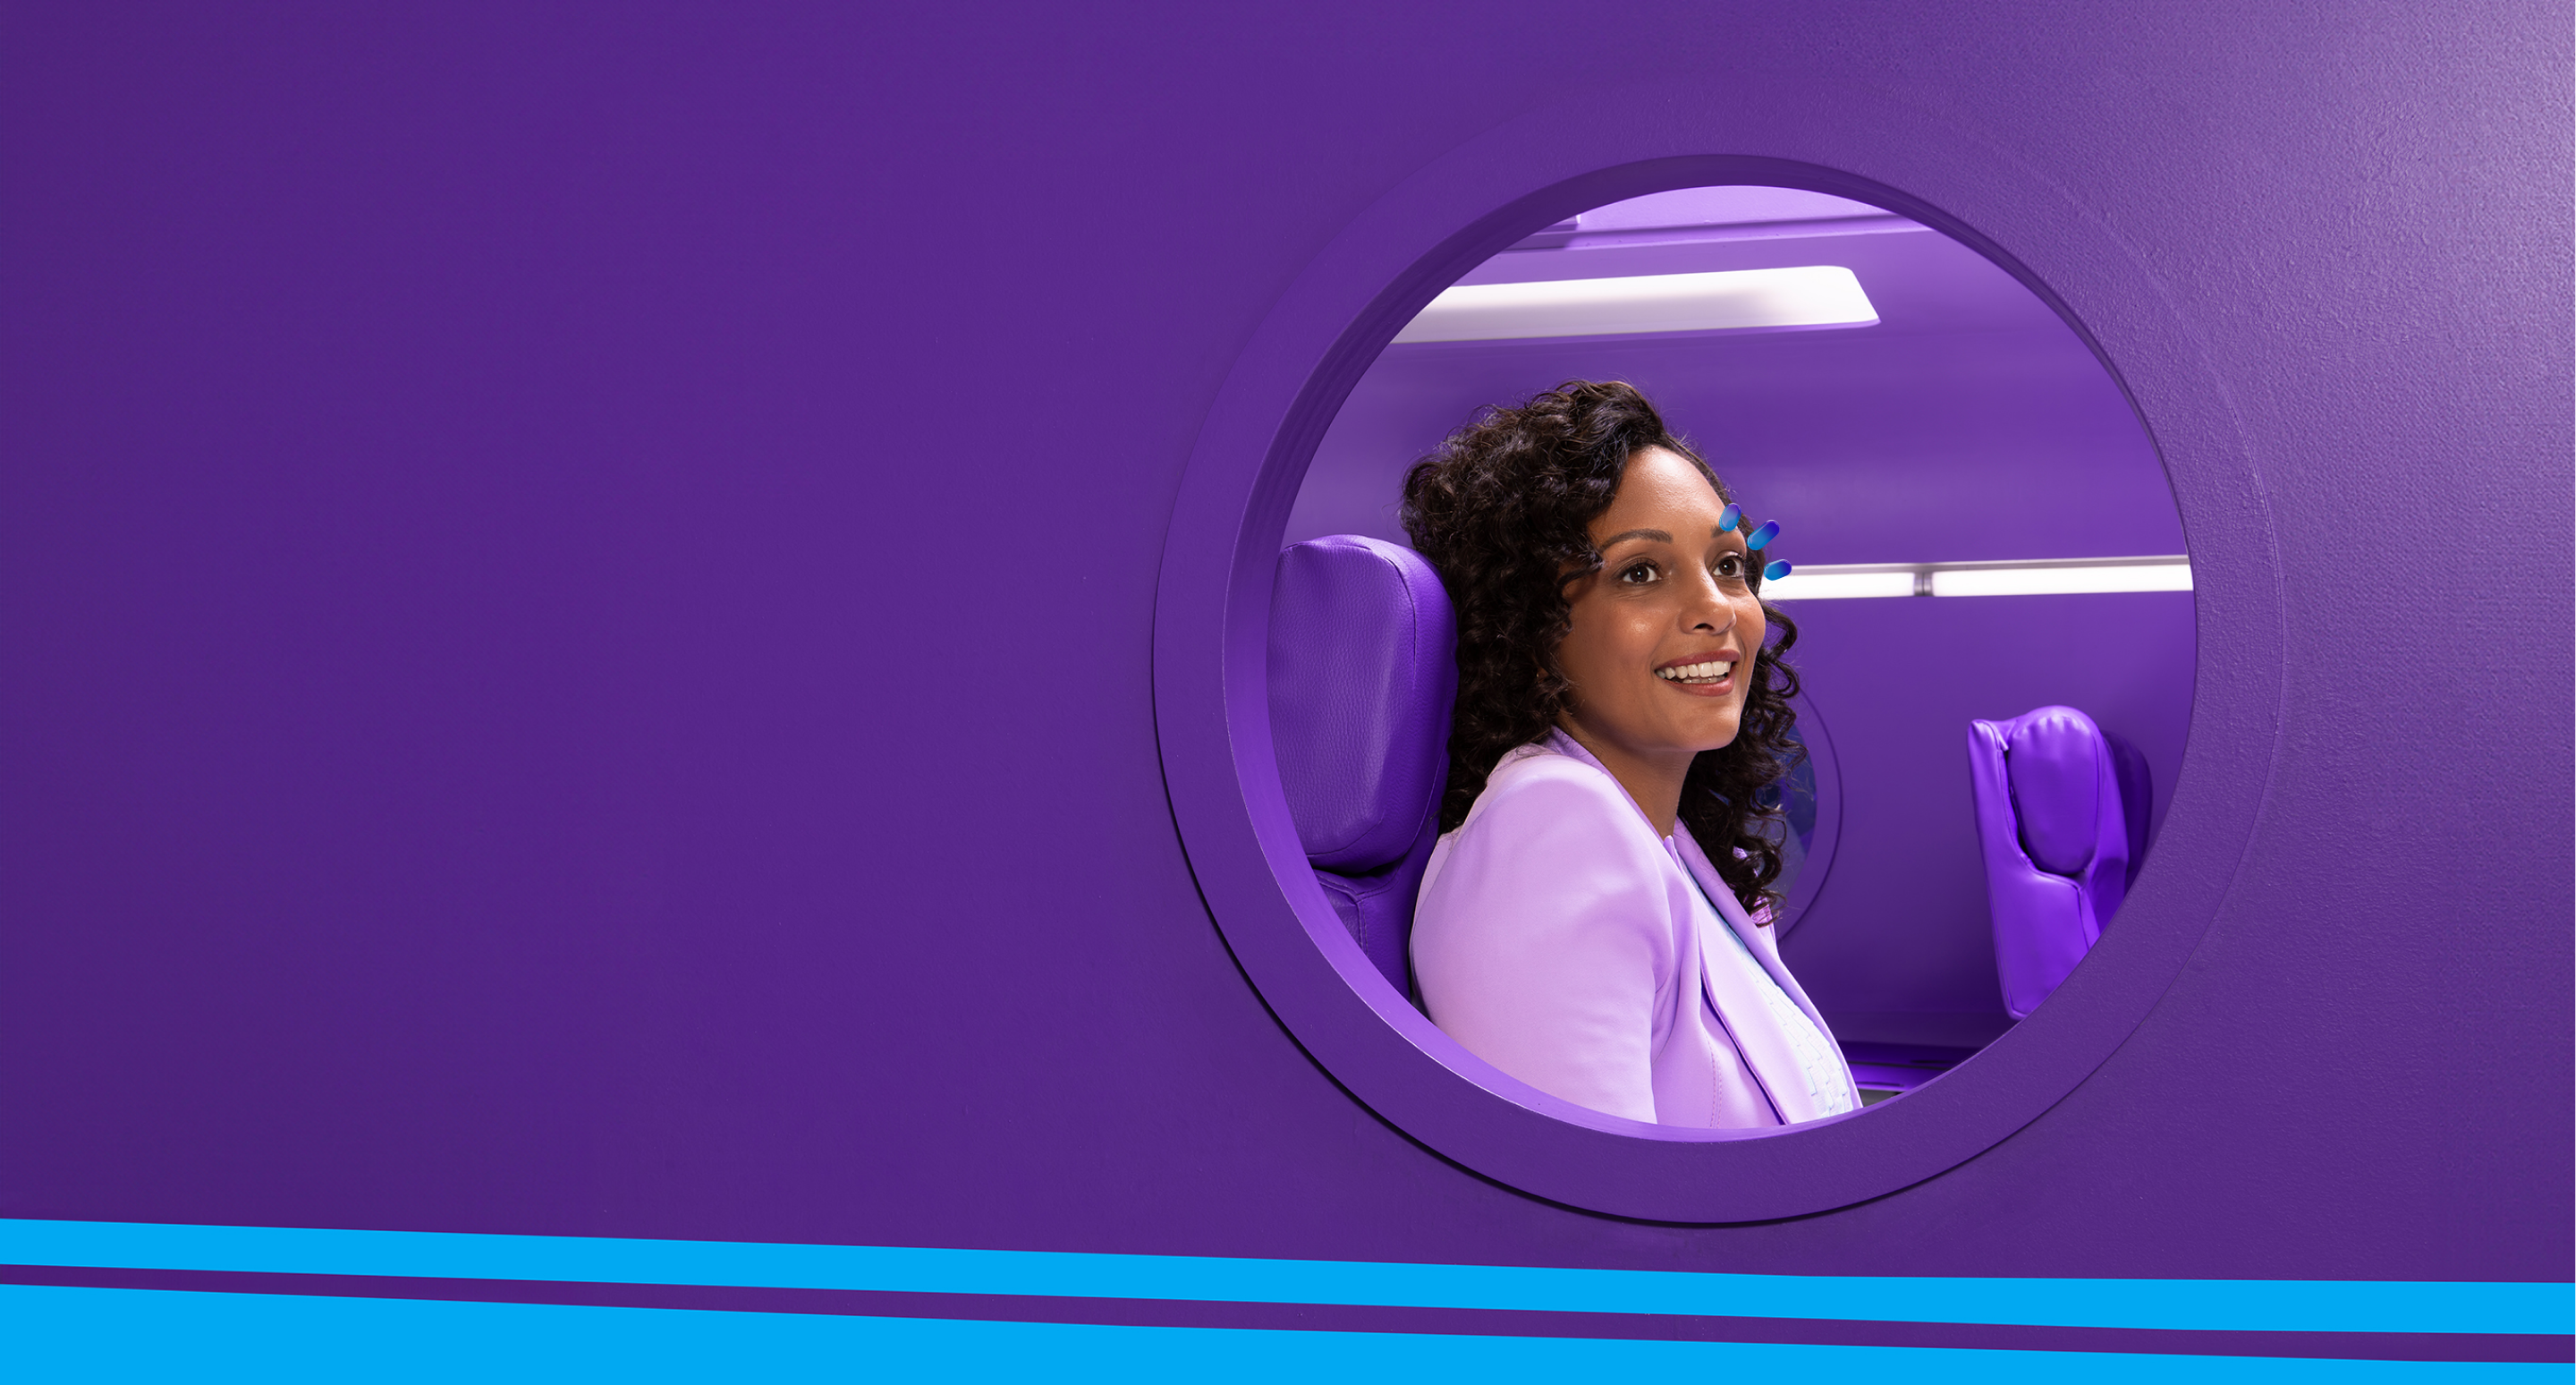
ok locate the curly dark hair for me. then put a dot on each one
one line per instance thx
(1502, 511)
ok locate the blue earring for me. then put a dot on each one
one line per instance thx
(1730, 517)
(1777, 570)
(1770, 530)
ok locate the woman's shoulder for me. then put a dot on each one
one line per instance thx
(1544, 762)
(1552, 847)
(1539, 789)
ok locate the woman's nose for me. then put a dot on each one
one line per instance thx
(1710, 609)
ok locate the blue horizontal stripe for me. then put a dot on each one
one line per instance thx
(2187, 1304)
(94, 1335)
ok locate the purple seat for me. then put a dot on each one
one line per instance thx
(2059, 836)
(1363, 669)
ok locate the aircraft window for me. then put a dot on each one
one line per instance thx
(1979, 531)
(1810, 804)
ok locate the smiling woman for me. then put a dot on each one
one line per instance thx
(1614, 683)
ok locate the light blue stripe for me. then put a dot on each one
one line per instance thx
(2204, 1304)
(56, 1334)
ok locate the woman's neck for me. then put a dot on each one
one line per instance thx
(1653, 782)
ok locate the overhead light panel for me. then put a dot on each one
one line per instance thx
(1718, 300)
(2063, 577)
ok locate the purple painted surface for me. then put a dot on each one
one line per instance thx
(510, 521)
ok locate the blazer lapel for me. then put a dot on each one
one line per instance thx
(1758, 941)
(1732, 990)
(1728, 988)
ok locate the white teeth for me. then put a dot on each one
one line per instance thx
(1694, 673)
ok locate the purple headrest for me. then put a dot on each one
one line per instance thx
(1363, 668)
(2058, 764)
(2054, 825)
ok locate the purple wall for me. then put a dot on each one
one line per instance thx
(513, 525)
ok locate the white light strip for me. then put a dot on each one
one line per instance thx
(2053, 581)
(2081, 576)
(1825, 584)
(1807, 296)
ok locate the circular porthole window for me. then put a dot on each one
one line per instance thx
(1983, 530)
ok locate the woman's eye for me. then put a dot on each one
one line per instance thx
(1730, 565)
(1637, 573)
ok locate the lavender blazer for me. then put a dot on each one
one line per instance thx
(1560, 939)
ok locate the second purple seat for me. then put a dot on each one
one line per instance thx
(2061, 834)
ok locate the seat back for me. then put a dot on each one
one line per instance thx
(2057, 835)
(1363, 671)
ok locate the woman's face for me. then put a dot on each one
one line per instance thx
(1664, 635)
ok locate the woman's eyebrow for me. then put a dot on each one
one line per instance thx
(1657, 535)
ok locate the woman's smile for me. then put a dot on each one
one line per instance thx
(1702, 675)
